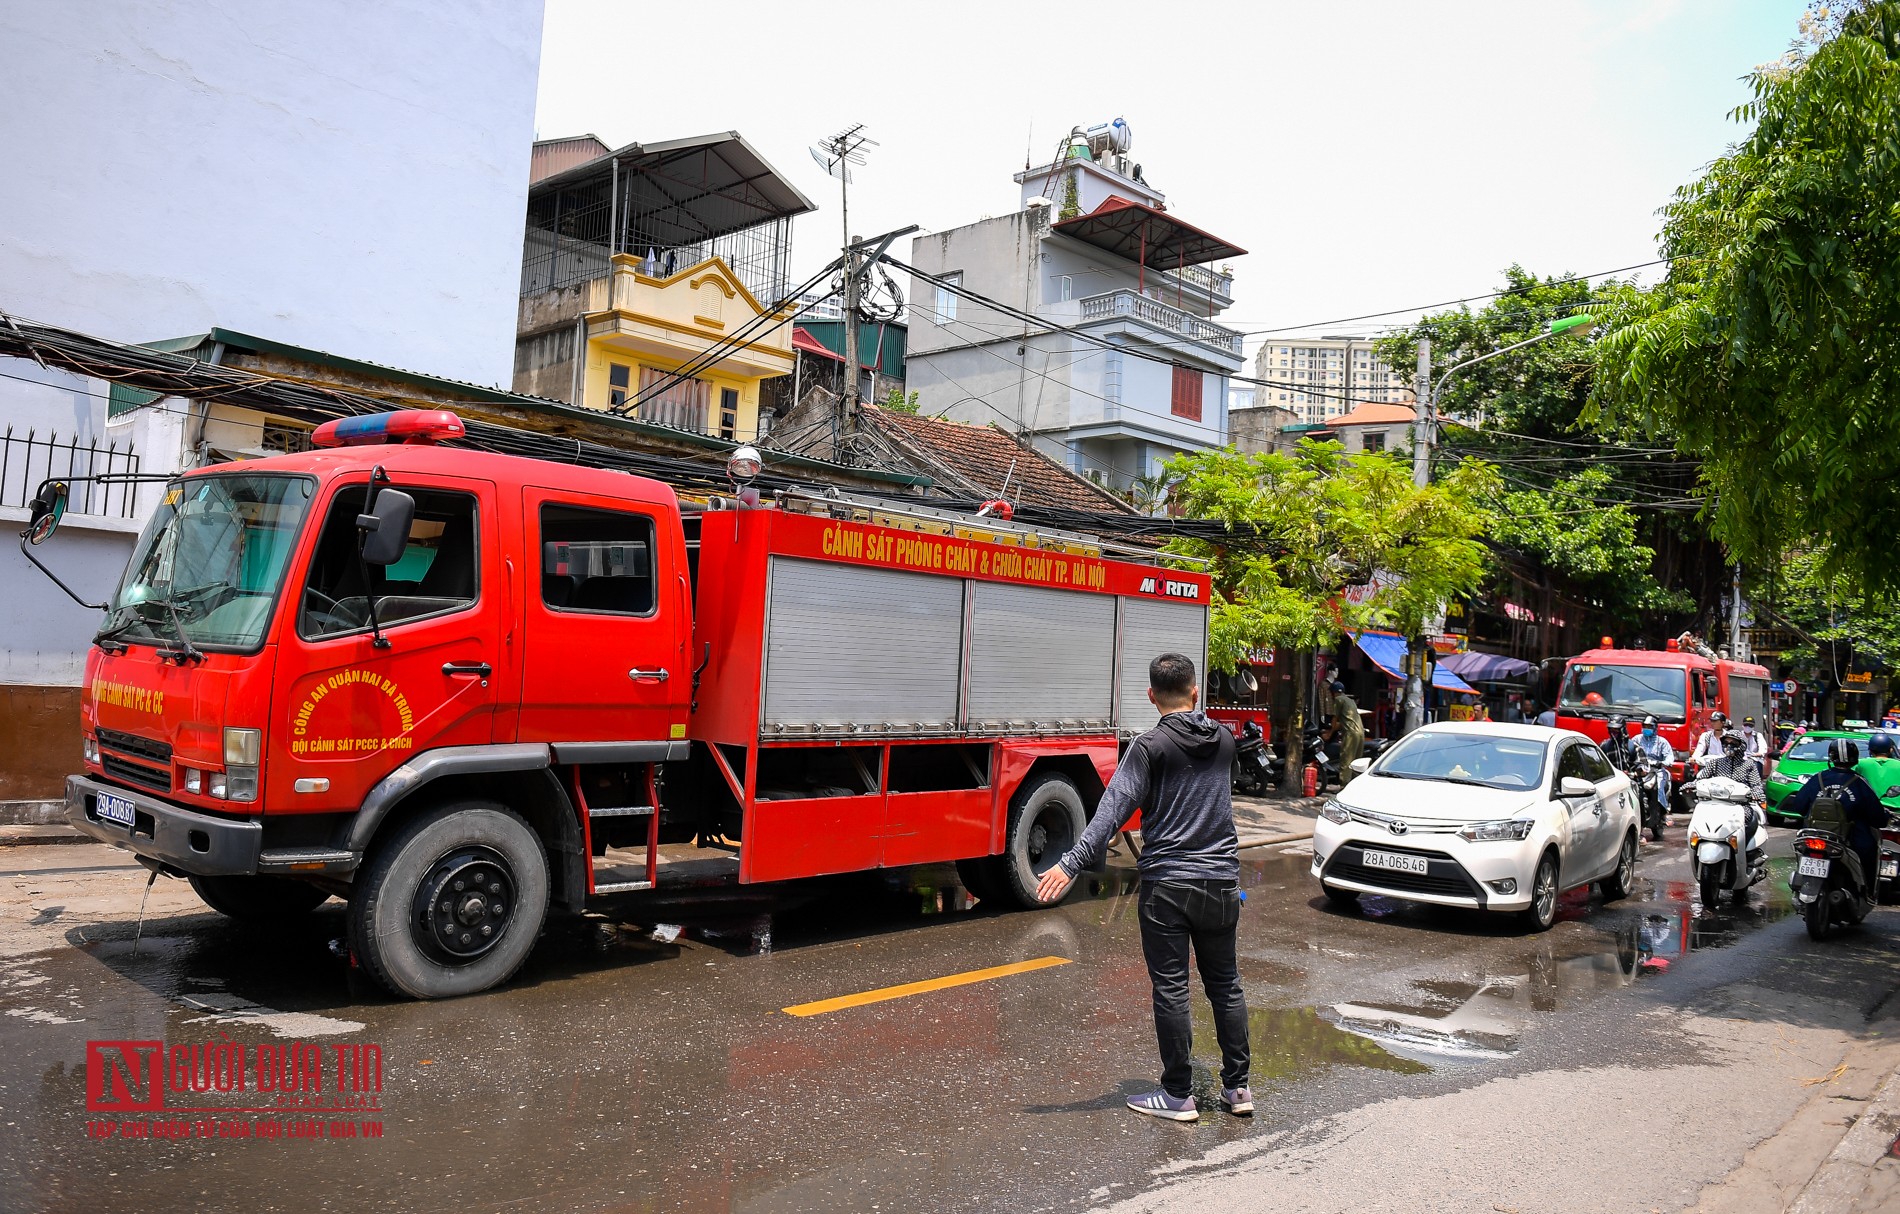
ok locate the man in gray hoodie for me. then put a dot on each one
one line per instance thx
(1179, 774)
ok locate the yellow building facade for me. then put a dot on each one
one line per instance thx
(642, 326)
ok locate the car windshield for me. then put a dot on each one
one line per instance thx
(213, 556)
(1815, 749)
(1491, 760)
(1597, 688)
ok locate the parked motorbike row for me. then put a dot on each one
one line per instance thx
(1258, 766)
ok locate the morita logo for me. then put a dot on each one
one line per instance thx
(1170, 588)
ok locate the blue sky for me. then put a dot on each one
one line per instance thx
(1369, 156)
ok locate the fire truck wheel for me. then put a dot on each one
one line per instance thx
(452, 903)
(1045, 820)
(258, 899)
(978, 877)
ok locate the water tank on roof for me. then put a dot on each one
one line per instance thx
(1110, 138)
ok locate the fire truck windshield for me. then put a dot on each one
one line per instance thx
(210, 563)
(1600, 689)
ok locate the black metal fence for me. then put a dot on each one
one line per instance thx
(27, 459)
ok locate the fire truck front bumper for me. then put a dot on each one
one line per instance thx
(161, 834)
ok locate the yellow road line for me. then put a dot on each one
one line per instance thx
(882, 993)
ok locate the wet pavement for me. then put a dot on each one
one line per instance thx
(646, 1063)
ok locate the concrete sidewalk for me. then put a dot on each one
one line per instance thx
(1836, 1155)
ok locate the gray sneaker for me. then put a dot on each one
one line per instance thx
(1159, 1104)
(1238, 1101)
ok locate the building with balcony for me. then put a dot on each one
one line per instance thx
(1124, 363)
(650, 280)
(1322, 377)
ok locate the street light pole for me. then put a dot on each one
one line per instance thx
(1423, 425)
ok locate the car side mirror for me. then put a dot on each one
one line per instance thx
(385, 529)
(48, 508)
(1573, 786)
(1360, 766)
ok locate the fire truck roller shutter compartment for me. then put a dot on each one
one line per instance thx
(1039, 655)
(1150, 629)
(850, 645)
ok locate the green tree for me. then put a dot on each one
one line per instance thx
(1528, 413)
(1772, 347)
(1302, 527)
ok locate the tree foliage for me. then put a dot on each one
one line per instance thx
(1586, 499)
(1306, 525)
(1569, 530)
(1772, 348)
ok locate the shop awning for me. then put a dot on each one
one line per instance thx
(1388, 652)
(1486, 667)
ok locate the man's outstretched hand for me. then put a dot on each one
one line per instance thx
(1054, 884)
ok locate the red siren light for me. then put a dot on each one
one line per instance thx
(400, 426)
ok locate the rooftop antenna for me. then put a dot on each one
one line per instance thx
(1029, 145)
(837, 154)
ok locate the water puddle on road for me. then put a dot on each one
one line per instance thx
(1438, 1022)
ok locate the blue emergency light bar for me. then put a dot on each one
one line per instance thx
(400, 426)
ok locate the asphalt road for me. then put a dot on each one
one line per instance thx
(1405, 1058)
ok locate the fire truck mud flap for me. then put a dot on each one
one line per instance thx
(161, 834)
(434, 765)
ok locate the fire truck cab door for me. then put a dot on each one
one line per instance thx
(349, 711)
(605, 621)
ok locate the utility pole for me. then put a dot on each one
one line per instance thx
(1735, 614)
(1422, 423)
(837, 154)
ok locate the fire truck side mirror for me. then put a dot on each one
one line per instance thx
(385, 531)
(48, 507)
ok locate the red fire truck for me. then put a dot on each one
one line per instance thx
(1680, 688)
(463, 689)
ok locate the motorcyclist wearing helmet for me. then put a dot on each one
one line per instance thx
(1616, 742)
(1661, 754)
(1881, 769)
(1710, 743)
(1865, 814)
(1735, 763)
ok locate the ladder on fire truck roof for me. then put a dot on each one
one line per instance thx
(927, 520)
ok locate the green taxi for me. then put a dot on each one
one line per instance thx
(1809, 755)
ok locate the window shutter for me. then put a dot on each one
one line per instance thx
(1187, 394)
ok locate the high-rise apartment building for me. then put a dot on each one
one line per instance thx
(1322, 377)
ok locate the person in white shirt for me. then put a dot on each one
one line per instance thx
(1757, 743)
(1710, 743)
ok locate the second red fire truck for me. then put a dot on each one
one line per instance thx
(464, 690)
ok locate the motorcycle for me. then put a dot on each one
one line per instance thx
(1829, 886)
(1317, 752)
(1717, 858)
(1256, 765)
(1642, 772)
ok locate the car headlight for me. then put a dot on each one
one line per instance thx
(91, 745)
(1492, 832)
(1333, 811)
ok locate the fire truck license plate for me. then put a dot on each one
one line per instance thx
(1395, 862)
(115, 809)
(1811, 867)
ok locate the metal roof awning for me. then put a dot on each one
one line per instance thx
(678, 192)
(1146, 236)
(804, 341)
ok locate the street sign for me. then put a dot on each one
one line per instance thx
(1778, 688)
(1791, 687)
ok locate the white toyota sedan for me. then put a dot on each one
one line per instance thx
(1480, 815)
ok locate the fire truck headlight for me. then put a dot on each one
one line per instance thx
(216, 781)
(194, 780)
(92, 749)
(243, 746)
(240, 784)
(744, 464)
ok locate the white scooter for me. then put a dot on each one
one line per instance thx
(1716, 820)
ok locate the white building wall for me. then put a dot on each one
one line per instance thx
(350, 176)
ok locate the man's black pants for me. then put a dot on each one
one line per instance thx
(1204, 914)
